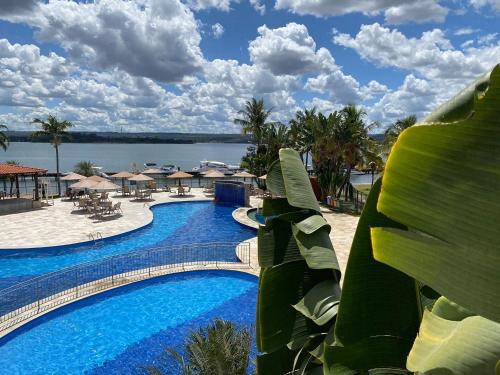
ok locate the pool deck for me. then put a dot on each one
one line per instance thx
(56, 225)
(59, 225)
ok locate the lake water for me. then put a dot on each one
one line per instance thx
(118, 157)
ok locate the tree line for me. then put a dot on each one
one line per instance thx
(337, 143)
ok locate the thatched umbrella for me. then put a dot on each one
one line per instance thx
(97, 178)
(140, 178)
(180, 175)
(105, 186)
(244, 175)
(86, 183)
(214, 174)
(73, 177)
(123, 175)
(155, 173)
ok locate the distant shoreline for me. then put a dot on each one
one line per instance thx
(135, 138)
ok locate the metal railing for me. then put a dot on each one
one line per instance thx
(24, 300)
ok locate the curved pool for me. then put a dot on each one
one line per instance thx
(173, 224)
(123, 330)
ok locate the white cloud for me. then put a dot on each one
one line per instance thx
(258, 6)
(494, 4)
(152, 38)
(224, 5)
(465, 31)
(431, 55)
(416, 11)
(288, 50)
(217, 30)
(395, 11)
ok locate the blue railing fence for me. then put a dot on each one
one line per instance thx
(24, 300)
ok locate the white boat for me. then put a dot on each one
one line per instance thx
(150, 165)
(169, 168)
(207, 165)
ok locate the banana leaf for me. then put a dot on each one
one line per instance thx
(298, 286)
(453, 341)
(379, 307)
(442, 181)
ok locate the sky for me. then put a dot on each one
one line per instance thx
(190, 65)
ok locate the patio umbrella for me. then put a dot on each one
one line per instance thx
(123, 175)
(244, 175)
(140, 178)
(214, 174)
(73, 177)
(86, 183)
(105, 186)
(97, 178)
(180, 175)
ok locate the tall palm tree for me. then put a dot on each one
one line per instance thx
(392, 133)
(353, 139)
(301, 128)
(219, 349)
(56, 131)
(254, 119)
(4, 139)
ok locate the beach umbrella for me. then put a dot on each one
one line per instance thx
(86, 183)
(140, 178)
(244, 175)
(73, 177)
(105, 186)
(214, 174)
(123, 175)
(153, 171)
(180, 175)
(262, 177)
(97, 178)
(156, 172)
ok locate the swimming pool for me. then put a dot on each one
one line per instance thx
(173, 224)
(122, 330)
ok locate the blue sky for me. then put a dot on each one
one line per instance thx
(190, 65)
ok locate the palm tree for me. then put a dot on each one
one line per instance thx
(301, 128)
(4, 139)
(392, 133)
(254, 119)
(84, 168)
(353, 139)
(219, 349)
(56, 131)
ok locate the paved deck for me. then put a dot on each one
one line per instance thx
(59, 225)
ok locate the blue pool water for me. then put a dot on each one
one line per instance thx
(123, 330)
(173, 224)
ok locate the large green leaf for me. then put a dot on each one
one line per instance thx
(379, 305)
(299, 270)
(313, 240)
(451, 341)
(442, 181)
(287, 178)
(281, 287)
(320, 304)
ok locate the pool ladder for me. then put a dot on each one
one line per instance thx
(96, 237)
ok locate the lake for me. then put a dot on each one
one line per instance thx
(118, 157)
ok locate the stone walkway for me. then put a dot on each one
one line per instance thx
(60, 225)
